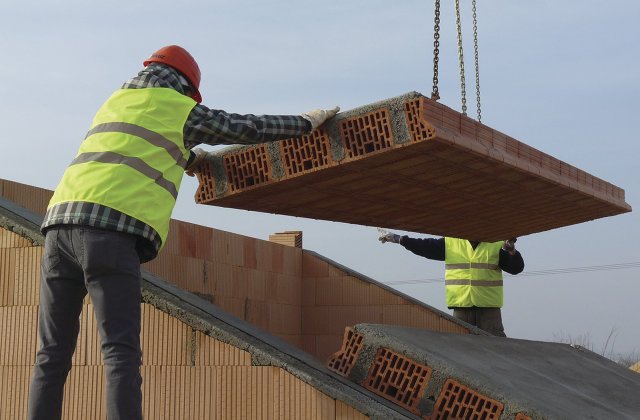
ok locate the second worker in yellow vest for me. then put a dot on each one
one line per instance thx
(473, 275)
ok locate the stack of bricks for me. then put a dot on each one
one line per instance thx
(409, 163)
(289, 238)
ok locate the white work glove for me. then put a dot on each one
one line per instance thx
(388, 237)
(317, 117)
(510, 246)
(195, 164)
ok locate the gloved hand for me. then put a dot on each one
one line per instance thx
(510, 246)
(194, 166)
(388, 236)
(317, 117)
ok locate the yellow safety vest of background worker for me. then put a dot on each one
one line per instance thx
(473, 274)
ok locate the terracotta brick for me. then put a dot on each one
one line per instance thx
(306, 153)
(247, 168)
(249, 253)
(11, 240)
(257, 285)
(398, 378)
(314, 320)
(355, 291)
(326, 345)
(314, 267)
(239, 282)
(366, 134)
(330, 291)
(308, 294)
(277, 259)
(343, 361)
(464, 402)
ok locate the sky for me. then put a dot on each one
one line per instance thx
(561, 77)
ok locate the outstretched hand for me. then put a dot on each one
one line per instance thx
(317, 117)
(388, 236)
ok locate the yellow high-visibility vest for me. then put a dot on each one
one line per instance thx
(133, 157)
(473, 277)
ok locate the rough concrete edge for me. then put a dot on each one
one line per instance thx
(20, 221)
(265, 349)
(218, 173)
(472, 329)
(277, 168)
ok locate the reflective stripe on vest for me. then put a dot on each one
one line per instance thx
(150, 136)
(133, 157)
(473, 277)
(134, 162)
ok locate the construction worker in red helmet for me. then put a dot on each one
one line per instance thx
(111, 211)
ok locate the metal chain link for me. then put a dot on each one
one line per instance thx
(435, 93)
(475, 47)
(461, 57)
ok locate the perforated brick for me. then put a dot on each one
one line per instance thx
(398, 379)
(343, 361)
(247, 168)
(366, 134)
(457, 401)
(302, 154)
(419, 129)
(207, 184)
(522, 416)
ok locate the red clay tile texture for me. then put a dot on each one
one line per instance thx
(367, 133)
(343, 361)
(419, 129)
(398, 379)
(302, 154)
(247, 168)
(207, 184)
(457, 401)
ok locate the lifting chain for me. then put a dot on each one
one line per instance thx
(475, 47)
(435, 94)
(463, 89)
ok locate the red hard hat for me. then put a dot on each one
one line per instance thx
(180, 59)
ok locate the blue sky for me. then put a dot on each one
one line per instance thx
(559, 76)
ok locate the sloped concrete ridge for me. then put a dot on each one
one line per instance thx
(455, 375)
(413, 164)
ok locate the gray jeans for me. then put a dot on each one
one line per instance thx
(488, 319)
(77, 260)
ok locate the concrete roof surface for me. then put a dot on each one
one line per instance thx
(550, 380)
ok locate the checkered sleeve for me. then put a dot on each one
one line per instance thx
(214, 127)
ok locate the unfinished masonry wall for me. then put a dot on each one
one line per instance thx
(293, 294)
(334, 298)
(186, 374)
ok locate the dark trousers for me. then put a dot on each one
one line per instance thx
(487, 319)
(105, 264)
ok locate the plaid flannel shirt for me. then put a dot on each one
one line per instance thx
(203, 125)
